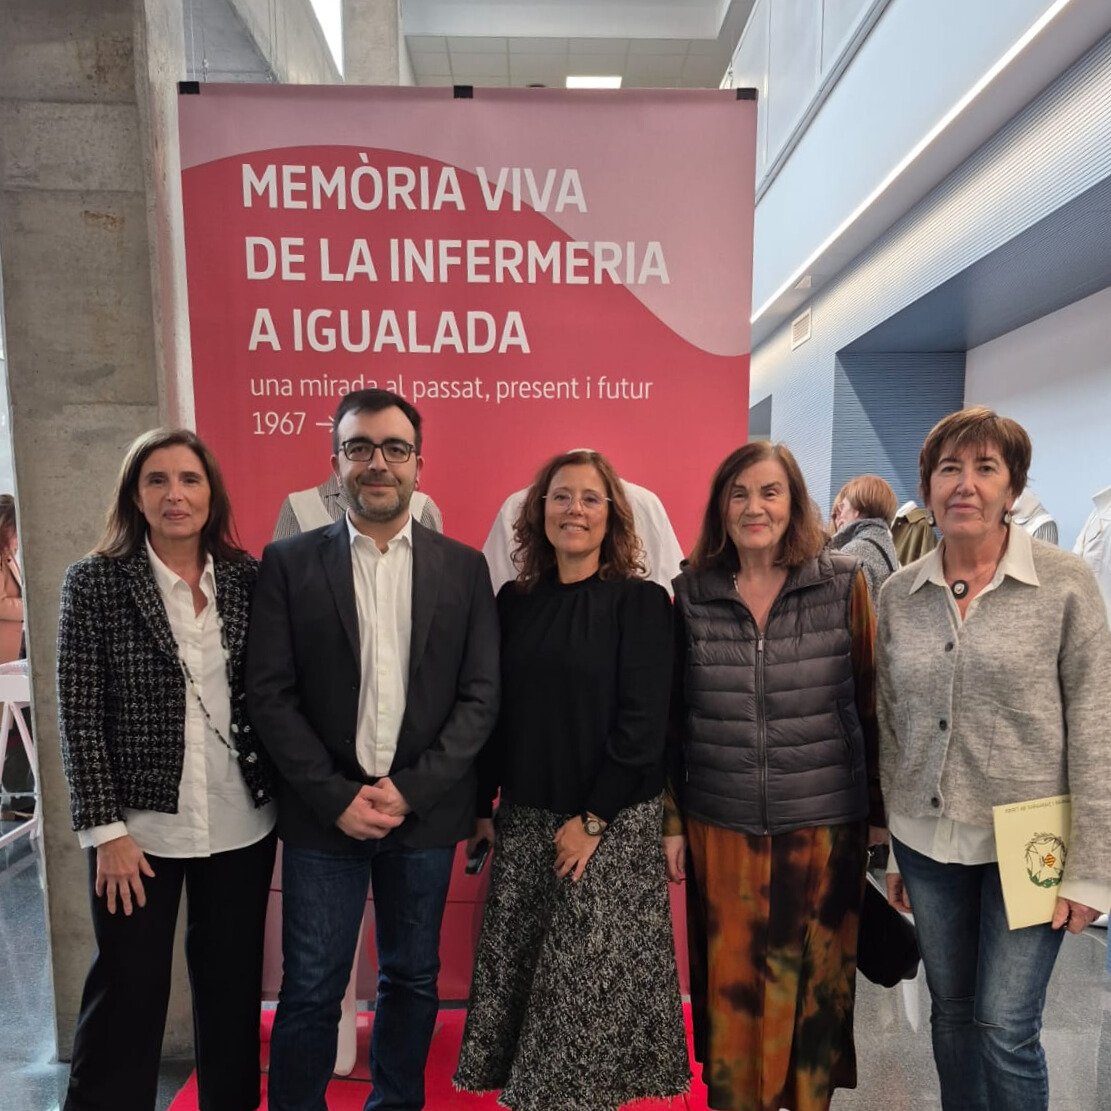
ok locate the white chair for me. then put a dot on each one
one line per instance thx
(15, 695)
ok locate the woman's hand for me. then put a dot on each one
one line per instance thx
(897, 892)
(120, 866)
(1072, 915)
(574, 848)
(675, 856)
(483, 831)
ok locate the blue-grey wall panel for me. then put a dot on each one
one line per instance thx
(883, 406)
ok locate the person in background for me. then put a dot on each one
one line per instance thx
(776, 779)
(168, 787)
(11, 584)
(18, 783)
(862, 512)
(575, 997)
(912, 533)
(993, 661)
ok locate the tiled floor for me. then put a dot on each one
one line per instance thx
(893, 1043)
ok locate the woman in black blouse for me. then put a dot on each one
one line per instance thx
(575, 998)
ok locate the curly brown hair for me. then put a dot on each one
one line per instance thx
(804, 537)
(622, 555)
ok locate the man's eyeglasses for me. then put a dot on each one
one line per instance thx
(564, 499)
(362, 450)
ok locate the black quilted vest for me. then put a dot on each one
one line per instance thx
(772, 740)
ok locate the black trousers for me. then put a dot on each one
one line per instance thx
(118, 1045)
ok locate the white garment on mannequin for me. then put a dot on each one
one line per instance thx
(661, 547)
(1094, 544)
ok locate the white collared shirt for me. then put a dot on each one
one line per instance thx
(384, 599)
(1094, 544)
(215, 812)
(943, 839)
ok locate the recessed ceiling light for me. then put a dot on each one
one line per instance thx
(594, 82)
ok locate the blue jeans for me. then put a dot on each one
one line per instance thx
(987, 985)
(323, 896)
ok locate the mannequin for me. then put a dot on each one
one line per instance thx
(663, 555)
(912, 532)
(321, 505)
(1029, 513)
(1094, 543)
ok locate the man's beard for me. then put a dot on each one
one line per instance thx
(381, 511)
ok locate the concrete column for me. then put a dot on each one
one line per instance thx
(373, 46)
(93, 288)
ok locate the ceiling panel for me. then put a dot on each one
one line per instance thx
(597, 46)
(635, 39)
(426, 42)
(475, 44)
(428, 62)
(538, 45)
(596, 64)
(473, 66)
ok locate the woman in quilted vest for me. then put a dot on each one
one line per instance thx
(773, 784)
(168, 787)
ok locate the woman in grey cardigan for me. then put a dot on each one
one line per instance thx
(168, 788)
(993, 657)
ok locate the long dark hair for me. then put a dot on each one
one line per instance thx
(804, 537)
(621, 557)
(125, 527)
(7, 520)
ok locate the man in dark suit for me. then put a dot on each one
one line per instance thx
(372, 679)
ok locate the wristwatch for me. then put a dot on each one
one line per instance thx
(593, 825)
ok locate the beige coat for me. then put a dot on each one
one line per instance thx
(11, 609)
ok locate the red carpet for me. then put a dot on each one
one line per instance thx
(350, 1093)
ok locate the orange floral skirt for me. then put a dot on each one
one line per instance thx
(772, 925)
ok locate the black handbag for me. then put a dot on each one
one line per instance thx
(886, 950)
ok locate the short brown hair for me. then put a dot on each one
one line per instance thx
(622, 556)
(804, 537)
(125, 528)
(974, 427)
(870, 496)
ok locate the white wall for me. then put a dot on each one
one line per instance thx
(1054, 377)
(918, 60)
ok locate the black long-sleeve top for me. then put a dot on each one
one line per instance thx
(586, 669)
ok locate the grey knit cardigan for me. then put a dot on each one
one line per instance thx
(121, 692)
(1008, 705)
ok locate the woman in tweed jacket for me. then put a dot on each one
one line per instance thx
(168, 786)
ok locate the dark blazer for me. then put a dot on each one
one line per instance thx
(304, 673)
(121, 693)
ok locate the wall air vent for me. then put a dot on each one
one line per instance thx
(800, 329)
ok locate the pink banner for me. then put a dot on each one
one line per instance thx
(535, 269)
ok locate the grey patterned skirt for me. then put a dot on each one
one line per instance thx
(575, 998)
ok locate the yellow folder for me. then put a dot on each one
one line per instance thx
(1032, 843)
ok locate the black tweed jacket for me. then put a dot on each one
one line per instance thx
(121, 693)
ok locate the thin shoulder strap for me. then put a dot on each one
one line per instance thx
(880, 548)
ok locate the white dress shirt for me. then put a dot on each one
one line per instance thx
(384, 599)
(662, 554)
(215, 813)
(943, 839)
(1094, 544)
